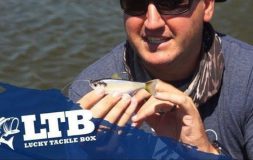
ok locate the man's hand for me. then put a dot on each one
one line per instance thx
(172, 113)
(116, 108)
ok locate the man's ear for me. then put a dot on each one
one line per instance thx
(209, 10)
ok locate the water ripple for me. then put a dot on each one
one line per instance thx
(45, 44)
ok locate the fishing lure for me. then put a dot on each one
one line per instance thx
(123, 86)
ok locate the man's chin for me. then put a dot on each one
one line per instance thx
(154, 59)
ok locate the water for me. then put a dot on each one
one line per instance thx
(45, 44)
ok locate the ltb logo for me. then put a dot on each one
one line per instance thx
(79, 123)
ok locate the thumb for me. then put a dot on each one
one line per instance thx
(187, 120)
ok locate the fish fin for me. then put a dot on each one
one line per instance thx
(115, 76)
(150, 86)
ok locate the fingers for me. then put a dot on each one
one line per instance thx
(142, 95)
(183, 101)
(151, 107)
(128, 113)
(166, 98)
(91, 98)
(101, 108)
(165, 87)
(117, 110)
(141, 98)
(168, 92)
(188, 120)
(114, 108)
(122, 111)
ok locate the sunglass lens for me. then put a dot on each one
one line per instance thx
(167, 7)
(172, 7)
(134, 7)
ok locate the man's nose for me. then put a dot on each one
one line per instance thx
(153, 18)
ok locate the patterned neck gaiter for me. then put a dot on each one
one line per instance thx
(208, 78)
(205, 82)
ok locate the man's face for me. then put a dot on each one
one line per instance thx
(163, 40)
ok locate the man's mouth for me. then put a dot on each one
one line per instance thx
(156, 40)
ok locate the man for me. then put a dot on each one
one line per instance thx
(205, 93)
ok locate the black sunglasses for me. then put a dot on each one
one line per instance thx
(165, 7)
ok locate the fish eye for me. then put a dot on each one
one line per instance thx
(102, 83)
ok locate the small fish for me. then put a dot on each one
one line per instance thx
(8, 126)
(123, 86)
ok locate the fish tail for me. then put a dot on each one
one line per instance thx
(10, 143)
(150, 86)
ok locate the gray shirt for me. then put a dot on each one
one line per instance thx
(227, 116)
